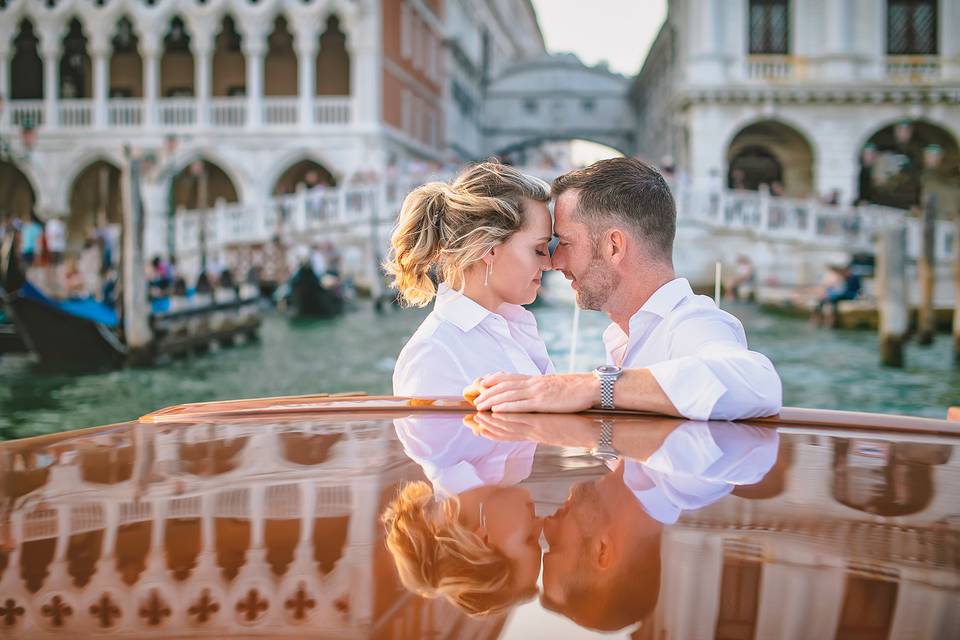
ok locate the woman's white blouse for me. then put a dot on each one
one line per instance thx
(461, 340)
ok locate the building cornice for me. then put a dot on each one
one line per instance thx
(866, 95)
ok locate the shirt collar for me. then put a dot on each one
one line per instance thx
(667, 297)
(463, 312)
(458, 309)
(663, 301)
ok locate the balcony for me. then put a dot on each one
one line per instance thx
(179, 113)
(913, 69)
(775, 68)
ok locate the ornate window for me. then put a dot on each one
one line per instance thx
(769, 26)
(912, 27)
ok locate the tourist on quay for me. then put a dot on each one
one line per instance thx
(743, 283)
(31, 238)
(840, 283)
(668, 350)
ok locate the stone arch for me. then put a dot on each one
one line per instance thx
(505, 150)
(287, 160)
(306, 171)
(76, 68)
(18, 195)
(892, 163)
(26, 65)
(126, 65)
(187, 184)
(280, 63)
(176, 62)
(94, 200)
(229, 65)
(333, 60)
(768, 149)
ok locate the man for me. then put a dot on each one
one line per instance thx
(668, 351)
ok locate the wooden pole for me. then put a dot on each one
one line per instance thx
(956, 288)
(136, 323)
(926, 269)
(892, 290)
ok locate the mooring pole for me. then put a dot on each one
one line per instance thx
(926, 269)
(892, 290)
(956, 288)
(136, 321)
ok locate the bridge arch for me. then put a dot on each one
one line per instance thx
(557, 97)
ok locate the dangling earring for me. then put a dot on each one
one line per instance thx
(489, 272)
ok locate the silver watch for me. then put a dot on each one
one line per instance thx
(604, 450)
(607, 374)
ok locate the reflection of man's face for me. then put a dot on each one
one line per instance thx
(567, 532)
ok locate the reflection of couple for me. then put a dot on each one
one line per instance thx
(472, 537)
(485, 237)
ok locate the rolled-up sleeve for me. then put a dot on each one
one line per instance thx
(712, 374)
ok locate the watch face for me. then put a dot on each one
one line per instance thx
(608, 369)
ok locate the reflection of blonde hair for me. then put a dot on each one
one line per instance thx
(437, 556)
(451, 226)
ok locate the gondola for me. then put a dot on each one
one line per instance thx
(306, 296)
(80, 333)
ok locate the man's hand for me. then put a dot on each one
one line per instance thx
(568, 393)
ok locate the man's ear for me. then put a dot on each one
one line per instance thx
(603, 552)
(616, 245)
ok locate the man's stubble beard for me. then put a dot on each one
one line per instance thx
(596, 285)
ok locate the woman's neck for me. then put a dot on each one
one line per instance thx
(482, 294)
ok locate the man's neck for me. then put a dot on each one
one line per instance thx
(633, 293)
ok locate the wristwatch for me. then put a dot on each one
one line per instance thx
(607, 374)
(604, 450)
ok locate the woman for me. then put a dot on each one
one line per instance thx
(470, 535)
(485, 235)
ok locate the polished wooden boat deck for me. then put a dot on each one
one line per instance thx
(261, 518)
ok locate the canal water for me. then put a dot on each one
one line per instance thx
(819, 368)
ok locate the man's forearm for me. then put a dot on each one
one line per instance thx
(636, 389)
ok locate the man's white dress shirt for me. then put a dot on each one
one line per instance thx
(698, 355)
(461, 340)
(698, 464)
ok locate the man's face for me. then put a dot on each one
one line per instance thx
(578, 257)
(568, 531)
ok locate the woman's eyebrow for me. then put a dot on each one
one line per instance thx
(546, 238)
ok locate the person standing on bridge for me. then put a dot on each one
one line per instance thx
(668, 351)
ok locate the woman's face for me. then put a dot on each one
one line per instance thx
(520, 261)
(513, 528)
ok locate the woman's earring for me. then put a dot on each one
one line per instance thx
(489, 272)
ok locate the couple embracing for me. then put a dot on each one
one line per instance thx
(485, 237)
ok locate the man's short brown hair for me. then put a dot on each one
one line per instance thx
(628, 191)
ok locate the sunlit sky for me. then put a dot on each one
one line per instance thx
(617, 31)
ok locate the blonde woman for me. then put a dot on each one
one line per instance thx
(485, 236)
(469, 535)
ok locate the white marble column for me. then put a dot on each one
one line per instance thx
(5, 58)
(100, 53)
(306, 47)
(50, 51)
(837, 63)
(202, 65)
(948, 24)
(151, 48)
(365, 44)
(254, 50)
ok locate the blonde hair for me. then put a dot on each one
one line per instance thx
(451, 226)
(436, 556)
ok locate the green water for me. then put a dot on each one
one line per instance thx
(820, 368)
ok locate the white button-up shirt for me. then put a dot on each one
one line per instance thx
(698, 355)
(461, 340)
(455, 460)
(698, 464)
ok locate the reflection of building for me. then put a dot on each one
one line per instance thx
(790, 559)
(268, 95)
(777, 91)
(200, 530)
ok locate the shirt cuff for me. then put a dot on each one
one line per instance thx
(690, 385)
